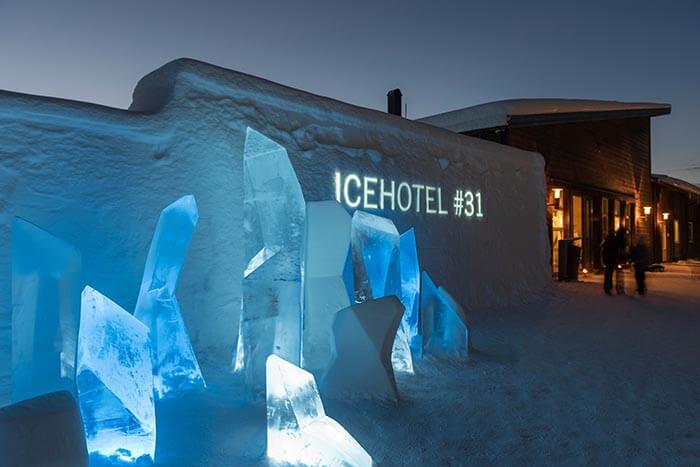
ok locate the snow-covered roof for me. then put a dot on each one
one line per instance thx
(676, 183)
(539, 112)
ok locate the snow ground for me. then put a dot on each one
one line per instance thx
(574, 378)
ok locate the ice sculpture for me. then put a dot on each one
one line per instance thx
(444, 322)
(273, 228)
(115, 381)
(298, 430)
(410, 289)
(42, 431)
(175, 365)
(46, 284)
(375, 253)
(327, 242)
(377, 271)
(363, 337)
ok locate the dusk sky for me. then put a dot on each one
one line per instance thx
(443, 55)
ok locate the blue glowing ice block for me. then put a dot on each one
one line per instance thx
(175, 365)
(410, 290)
(274, 212)
(46, 284)
(444, 322)
(377, 271)
(326, 247)
(115, 381)
(375, 254)
(298, 430)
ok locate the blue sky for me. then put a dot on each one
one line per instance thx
(443, 55)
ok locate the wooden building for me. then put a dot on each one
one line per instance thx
(676, 218)
(597, 161)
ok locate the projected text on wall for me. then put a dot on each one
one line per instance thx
(369, 193)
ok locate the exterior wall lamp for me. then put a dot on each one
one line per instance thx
(666, 215)
(647, 210)
(557, 197)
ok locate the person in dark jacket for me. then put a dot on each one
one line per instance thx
(640, 259)
(609, 251)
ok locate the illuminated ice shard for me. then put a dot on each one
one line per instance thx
(410, 289)
(115, 381)
(298, 430)
(46, 285)
(175, 365)
(363, 338)
(273, 228)
(377, 271)
(327, 242)
(375, 255)
(401, 358)
(444, 321)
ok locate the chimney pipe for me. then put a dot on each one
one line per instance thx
(393, 98)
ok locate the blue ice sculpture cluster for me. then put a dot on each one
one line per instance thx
(175, 365)
(274, 210)
(113, 362)
(298, 430)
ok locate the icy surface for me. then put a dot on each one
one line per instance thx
(410, 289)
(185, 133)
(327, 243)
(175, 365)
(298, 430)
(361, 365)
(444, 321)
(46, 284)
(273, 227)
(114, 380)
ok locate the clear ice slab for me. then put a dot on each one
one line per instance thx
(327, 243)
(274, 211)
(377, 271)
(375, 255)
(298, 430)
(114, 381)
(444, 321)
(361, 363)
(46, 285)
(175, 365)
(410, 290)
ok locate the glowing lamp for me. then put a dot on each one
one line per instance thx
(557, 192)
(647, 210)
(585, 271)
(666, 215)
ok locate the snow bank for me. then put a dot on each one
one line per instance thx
(99, 177)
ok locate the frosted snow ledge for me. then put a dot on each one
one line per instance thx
(298, 430)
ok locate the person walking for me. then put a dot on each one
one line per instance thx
(622, 258)
(609, 252)
(640, 258)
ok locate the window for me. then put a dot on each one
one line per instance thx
(691, 233)
(616, 215)
(676, 232)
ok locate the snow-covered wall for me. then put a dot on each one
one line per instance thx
(99, 177)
